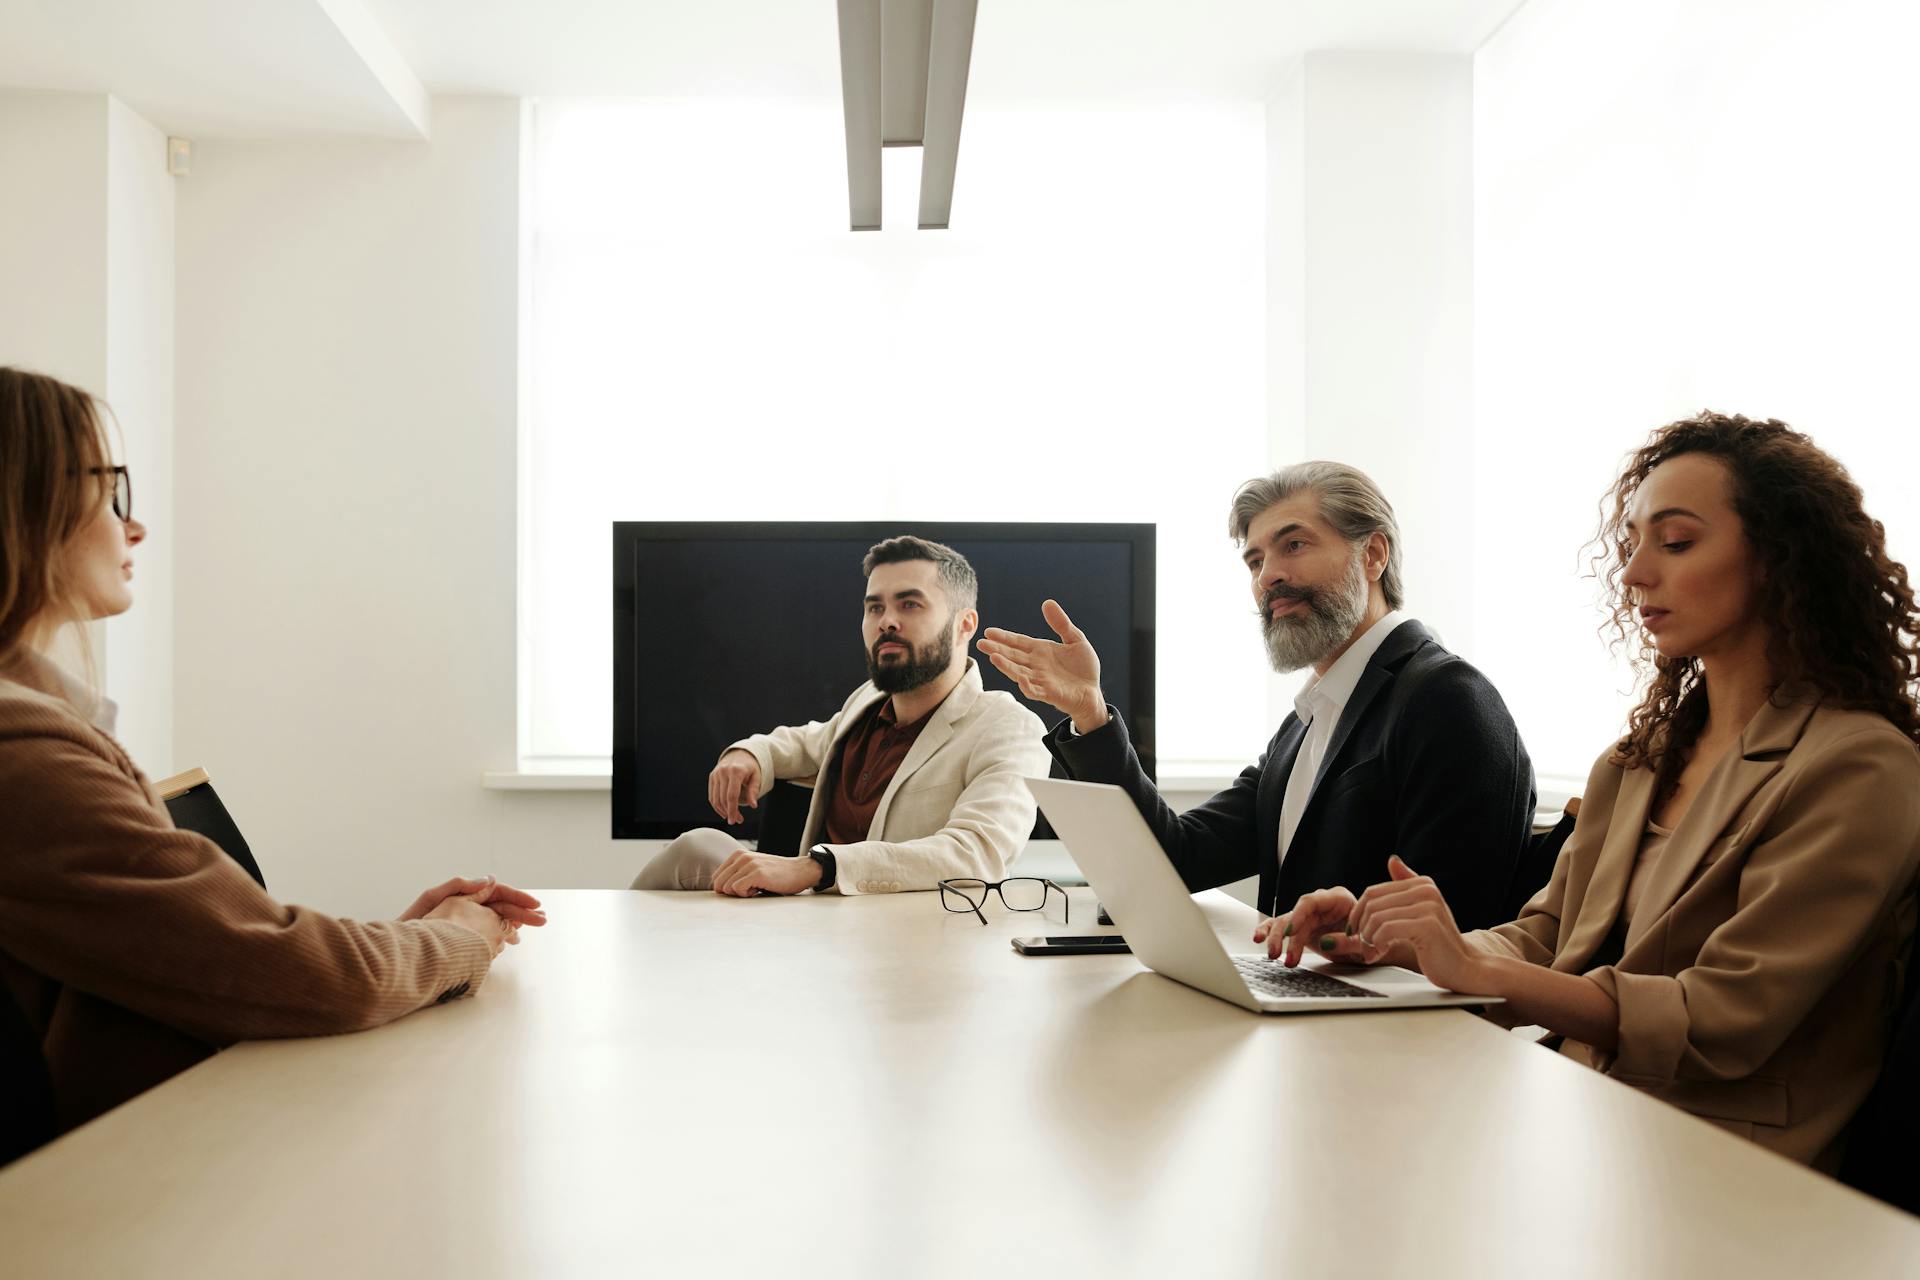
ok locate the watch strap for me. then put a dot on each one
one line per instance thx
(824, 856)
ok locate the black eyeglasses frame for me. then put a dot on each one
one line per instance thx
(949, 892)
(122, 490)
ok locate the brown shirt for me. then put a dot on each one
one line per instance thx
(869, 756)
(135, 949)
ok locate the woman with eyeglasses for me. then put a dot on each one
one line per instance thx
(1727, 925)
(129, 949)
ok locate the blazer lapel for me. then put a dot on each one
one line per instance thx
(1606, 892)
(1763, 746)
(1375, 678)
(1379, 673)
(1381, 669)
(1273, 779)
(1271, 795)
(858, 703)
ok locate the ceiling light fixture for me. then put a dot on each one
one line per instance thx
(903, 81)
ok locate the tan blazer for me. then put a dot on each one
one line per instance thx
(956, 806)
(136, 949)
(1760, 973)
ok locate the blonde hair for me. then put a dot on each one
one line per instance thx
(54, 455)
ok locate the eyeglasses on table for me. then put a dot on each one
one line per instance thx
(1020, 893)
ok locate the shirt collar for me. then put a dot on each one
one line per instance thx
(1327, 695)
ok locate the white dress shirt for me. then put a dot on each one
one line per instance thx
(1319, 705)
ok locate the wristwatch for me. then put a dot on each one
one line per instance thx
(824, 856)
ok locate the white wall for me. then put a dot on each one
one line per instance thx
(345, 475)
(86, 272)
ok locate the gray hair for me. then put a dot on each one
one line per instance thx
(957, 577)
(1349, 501)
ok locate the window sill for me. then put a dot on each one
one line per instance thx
(1202, 779)
(581, 773)
(591, 774)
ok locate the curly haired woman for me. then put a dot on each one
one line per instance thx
(1727, 924)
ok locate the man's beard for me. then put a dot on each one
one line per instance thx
(1299, 640)
(920, 666)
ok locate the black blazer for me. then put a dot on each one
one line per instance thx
(1425, 763)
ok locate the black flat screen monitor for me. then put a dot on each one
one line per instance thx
(722, 630)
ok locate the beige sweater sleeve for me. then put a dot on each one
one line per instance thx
(99, 891)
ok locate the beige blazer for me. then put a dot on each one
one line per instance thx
(956, 806)
(135, 949)
(1759, 976)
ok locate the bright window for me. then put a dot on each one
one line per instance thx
(707, 340)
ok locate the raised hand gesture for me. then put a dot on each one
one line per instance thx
(1063, 673)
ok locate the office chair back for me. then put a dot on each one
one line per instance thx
(196, 807)
(1883, 1144)
(26, 1118)
(1535, 867)
(783, 817)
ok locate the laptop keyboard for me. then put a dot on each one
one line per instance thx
(1271, 978)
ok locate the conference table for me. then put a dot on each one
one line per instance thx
(679, 1084)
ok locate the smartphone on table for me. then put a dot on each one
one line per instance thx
(1086, 944)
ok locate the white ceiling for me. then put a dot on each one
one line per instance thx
(268, 67)
(249, 68)
(1023, 49)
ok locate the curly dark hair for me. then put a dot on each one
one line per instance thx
(1842, 617)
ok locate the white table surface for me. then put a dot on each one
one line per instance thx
(684, 1085)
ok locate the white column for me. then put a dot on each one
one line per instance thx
(86, 269)
(1370, 306)
(139, 387)
(53, 235)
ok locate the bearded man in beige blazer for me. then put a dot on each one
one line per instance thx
(917, 775)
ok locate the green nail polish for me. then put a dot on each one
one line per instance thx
(1329, 942)
(1288, 931)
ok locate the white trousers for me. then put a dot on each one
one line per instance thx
(689, 862)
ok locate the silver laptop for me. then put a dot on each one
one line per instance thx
(1165, 927)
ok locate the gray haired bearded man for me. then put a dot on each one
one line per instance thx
(1395, 746)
